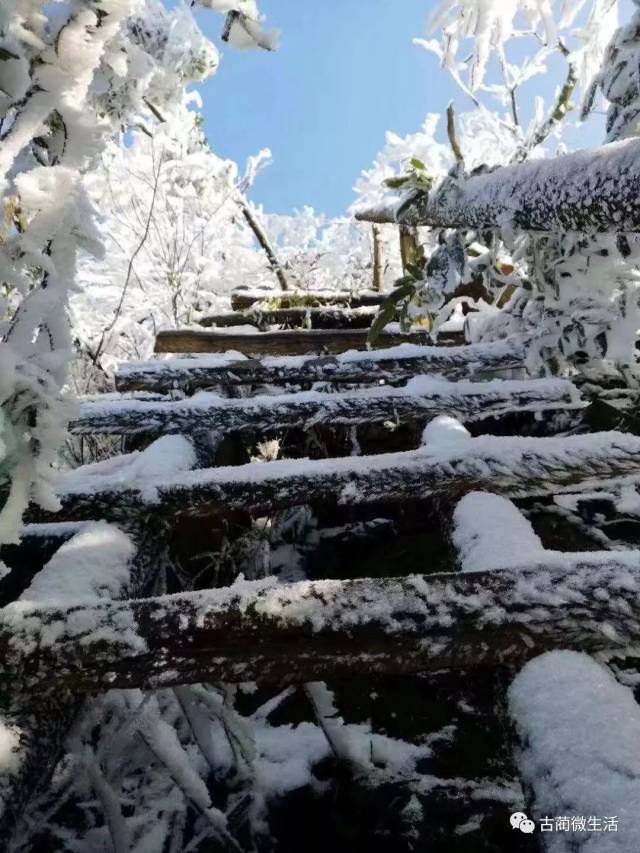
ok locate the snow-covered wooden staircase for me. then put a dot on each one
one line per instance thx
(97, 615)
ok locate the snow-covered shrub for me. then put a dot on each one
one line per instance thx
(71, 75)
(574, 298)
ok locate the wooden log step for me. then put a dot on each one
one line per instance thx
(241, 299)
(278, 633)
(512, 466)
(313, 318)
(593, 190)
(364, 366)
(422, 399)
(286, 342)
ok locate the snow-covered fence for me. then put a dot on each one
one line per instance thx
(589, 191)
(390, 366)
(275, 633)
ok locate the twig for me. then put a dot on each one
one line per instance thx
(560, 109)
(451, 133)
(263, 240)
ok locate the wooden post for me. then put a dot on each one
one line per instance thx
(378, 258)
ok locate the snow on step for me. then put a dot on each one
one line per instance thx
(351, 366)
(422, 397)
(580, 730)
(490, 532)
(444, 430)
(311, 631)
(95, 563)
(515, 466)
(165, 457)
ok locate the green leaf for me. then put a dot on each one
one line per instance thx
(415, 271)
(388, 310)
(396, 183)
(418, 164)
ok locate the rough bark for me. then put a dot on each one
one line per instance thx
(591, 191)
(288, 342)
(527, 467)
(311, 631)
(469, 401)
(391, 367)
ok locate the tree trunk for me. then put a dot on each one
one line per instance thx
(263, 240)
(592, 190)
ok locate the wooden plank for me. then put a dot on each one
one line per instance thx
(243, 299)
(592, 190)
(313, 318)
(516, 467)
(420, 400)
(279, 633)
(287, 342)
(374, 366)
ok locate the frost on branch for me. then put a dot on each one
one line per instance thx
(71, 75)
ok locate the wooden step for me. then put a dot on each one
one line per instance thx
(286, 342)
(311, 318)
(422, 399)
(241, 299)
(295, 633)
(517, 467)
(363, 366)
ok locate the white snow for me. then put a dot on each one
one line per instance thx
(94, 563)
(581, 748)
(491, 533)
(166, 457)
(444, 430)
(476, 457)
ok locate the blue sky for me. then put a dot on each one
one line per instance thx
(346, 71)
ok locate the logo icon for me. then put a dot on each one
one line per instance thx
(520, 821)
